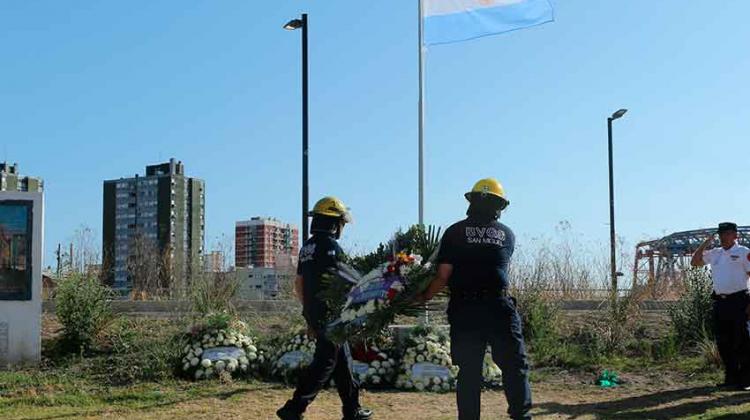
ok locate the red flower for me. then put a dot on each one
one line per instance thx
(363, 353)
(359, 352)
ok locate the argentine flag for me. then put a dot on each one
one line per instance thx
(448, 21)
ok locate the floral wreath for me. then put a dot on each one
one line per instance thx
(293, 356)
(220, 348)
(373, 366)
(426, 364)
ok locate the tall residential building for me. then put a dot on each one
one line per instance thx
(258, 242)
(10, 180)
(164, 210)
(213, 262)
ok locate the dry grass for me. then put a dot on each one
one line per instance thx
(564, 397)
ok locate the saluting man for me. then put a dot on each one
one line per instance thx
(319, 254)
(730, 267)
(473, 262)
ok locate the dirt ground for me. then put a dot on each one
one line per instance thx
(551, 403)
(564, 396)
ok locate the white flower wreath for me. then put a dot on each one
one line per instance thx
(218, 351)
(378, 371)
(292, 357)
(426, 366)
(490, 371)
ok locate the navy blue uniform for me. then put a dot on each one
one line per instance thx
(481, 312)
(318, 255)
(730, 322)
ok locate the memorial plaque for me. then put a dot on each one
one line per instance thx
(425, 371)
(295, 359)
(15, 250)
(222, 353)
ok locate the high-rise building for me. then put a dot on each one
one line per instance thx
(163, 211)
(213, 262)
(10, 180)
(258, 242)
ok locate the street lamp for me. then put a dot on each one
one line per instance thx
(617, 114)
(290, 26)
(293, 24)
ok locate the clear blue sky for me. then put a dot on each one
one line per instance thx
(95, 90)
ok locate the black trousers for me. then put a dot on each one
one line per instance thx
(470, 334)
(730, 329)
(329, 361)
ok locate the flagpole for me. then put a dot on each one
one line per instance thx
(421, 128)
(421, 113)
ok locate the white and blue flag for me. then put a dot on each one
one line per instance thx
(448, 21)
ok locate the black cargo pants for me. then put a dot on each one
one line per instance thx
(474, 325)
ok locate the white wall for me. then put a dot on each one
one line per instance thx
(21, 321)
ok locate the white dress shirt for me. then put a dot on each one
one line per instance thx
(729, 268)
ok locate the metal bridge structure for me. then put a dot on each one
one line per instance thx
(660, 263)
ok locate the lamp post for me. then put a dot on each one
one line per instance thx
(613, 262)
(291, 26)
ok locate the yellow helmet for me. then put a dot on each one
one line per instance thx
(488, 186)
(332, 207)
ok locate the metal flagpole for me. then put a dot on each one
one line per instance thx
(421, 128)
(421, 114)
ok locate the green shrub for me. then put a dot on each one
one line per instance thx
(213, 292)
(709, 352)
(418, 239)
(665, 349)
(590, 341)
(539, 315)
(620, 323)
(692, 314)
(83, 309)
(141, 350)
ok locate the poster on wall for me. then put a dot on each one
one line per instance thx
(15, 249)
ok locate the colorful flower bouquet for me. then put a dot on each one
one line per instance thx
(219, 346)
(389, 290)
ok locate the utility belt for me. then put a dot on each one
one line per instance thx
(736, 296)
(481, 295)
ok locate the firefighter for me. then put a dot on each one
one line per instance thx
(473, 262)
(320, 254)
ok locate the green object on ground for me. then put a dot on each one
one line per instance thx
(608, 379)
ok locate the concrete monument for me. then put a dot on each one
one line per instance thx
(21, 235)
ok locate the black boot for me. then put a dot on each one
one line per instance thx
(360, 414)
(288, 412)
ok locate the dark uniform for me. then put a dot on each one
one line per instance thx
(730, 330)
(481, 312)
(319, 254)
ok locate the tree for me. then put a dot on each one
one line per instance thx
(150, 269)
(83, 255)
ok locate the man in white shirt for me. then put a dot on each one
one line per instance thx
(730, 267)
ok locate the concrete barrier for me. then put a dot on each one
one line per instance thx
(173, 308)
